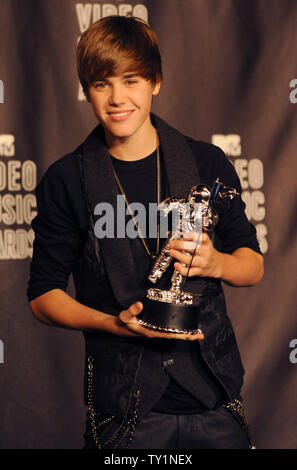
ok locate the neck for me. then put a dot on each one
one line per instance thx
(134, 147)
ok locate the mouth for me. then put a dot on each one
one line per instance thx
(120, 115)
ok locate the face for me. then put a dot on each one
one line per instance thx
(122, 103)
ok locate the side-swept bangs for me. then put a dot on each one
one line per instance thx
(115, 45)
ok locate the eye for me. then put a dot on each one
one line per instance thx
(131, 81)
(100, 85)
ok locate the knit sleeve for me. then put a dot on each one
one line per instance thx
(58, 237)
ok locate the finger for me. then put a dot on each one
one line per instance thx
(199, 335)
(185, 271)
(180, 336)
(188, 235)
(192, 235)
(154, 333)
(135, 308)
(182, 245)
(127, 315)
(187, 336)
(185, 258)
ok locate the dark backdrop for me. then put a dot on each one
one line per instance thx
(229, 70)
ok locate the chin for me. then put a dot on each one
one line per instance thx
(121, 131)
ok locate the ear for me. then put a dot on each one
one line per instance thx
(86, 93)
(156, 88)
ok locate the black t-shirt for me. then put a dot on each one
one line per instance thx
(139, 182)
(62, 223)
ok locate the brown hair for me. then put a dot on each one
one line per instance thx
(116, 44)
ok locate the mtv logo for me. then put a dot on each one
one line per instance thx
(7, 148)
(230, 143)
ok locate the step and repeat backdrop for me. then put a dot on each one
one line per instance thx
(230, 78)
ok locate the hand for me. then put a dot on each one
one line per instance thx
(207, 261)
(128, 319)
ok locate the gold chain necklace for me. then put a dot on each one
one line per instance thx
(151, 255)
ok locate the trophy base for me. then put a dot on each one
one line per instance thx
(168, 317)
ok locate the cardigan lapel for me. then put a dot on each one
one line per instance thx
(180, 164)
(100, 185)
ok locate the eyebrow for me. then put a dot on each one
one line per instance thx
(124, 76)
(130, 75)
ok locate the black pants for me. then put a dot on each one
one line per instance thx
(216, 429)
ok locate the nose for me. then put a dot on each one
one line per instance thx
(117, 95)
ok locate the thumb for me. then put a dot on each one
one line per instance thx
(135, 308)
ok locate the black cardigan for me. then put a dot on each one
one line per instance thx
(125, 374)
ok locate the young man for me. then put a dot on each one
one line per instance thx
(143, 388)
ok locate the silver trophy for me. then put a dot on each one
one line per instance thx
(175, 310)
